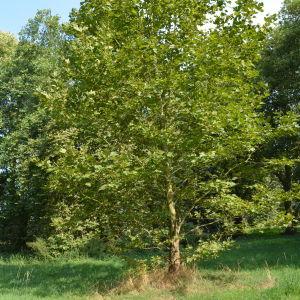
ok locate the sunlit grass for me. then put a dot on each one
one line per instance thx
(262, 266)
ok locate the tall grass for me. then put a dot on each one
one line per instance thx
(31, 278)
(261, 266)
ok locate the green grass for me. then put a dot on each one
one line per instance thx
(28, 278)
(261, 266)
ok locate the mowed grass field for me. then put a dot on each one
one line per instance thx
(260, 266)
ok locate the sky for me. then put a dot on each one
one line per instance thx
(15, 13)
(271, 7)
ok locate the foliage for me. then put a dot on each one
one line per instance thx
(8, 45)
(280, 67)
(154, 114)
(146, 125)
(24, 204)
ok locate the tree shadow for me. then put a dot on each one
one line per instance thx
(53, 278)
(258, 251)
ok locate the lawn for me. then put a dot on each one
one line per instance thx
(260, 266)
(28, 278)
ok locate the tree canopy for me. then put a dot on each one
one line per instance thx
(148, 125)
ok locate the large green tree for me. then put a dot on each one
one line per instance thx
(159, 106)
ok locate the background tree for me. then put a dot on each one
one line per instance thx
(24, 204)
(280, 66)
(8, 45)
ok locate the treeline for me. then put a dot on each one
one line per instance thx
(149, 125)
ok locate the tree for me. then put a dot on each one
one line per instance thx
(156, 112)
(280, 67)
(24, 139)
(8, 45)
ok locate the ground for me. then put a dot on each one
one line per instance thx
(260, 266)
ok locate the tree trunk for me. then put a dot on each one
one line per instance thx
(286, 181)
(174, 258)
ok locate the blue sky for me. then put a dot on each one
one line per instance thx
(15, 13)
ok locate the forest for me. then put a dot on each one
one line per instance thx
(150, 150)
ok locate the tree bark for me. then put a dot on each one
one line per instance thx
(174, 255)
(286, 181)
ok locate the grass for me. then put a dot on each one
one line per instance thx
(28, 278)
(261, 266)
